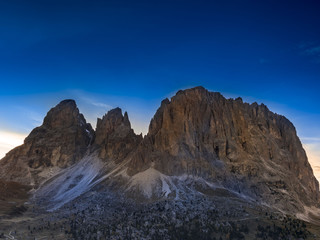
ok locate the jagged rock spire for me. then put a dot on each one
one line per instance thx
(111, 122)
(115, 136)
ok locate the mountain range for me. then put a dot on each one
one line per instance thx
(208, 168)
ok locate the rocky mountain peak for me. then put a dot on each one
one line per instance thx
(182, 106)
(203, 134)
(112, 122)
(60, 141)
(115, 136)
(64, 115)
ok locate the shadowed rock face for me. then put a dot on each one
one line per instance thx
(60, 141)
(243, 146)
(115, 136)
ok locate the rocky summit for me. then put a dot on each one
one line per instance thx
(59, 142)
(244, 147)
(209, 168)
(114, 136)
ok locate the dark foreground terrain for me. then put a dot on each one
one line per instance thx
(103, 215)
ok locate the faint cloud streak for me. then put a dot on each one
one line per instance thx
(311, 49)
(312, 139)
(102, 105)
(93, 102)
(35, 117)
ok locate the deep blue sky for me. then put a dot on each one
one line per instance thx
(135, 53)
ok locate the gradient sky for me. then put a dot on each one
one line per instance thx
(133, 54)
